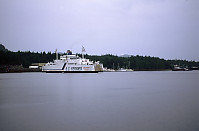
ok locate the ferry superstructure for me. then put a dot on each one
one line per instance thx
(70, 63)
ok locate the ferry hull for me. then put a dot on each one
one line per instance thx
(72, 71)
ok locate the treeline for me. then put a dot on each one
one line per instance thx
(25, 58)
(109, 61)
(140, 62)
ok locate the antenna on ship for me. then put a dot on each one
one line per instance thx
(56, 54)
(83, 50)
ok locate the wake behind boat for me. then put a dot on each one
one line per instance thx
(71, 63)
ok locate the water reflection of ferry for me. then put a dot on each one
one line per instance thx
(70, 63)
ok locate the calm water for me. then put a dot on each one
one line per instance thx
(125, 101)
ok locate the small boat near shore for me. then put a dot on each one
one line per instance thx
(71, 63)
(194, 68)
(178, 68)
(124, 70)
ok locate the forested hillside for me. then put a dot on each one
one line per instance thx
(109, 61)
(140, 62)
(25, 58)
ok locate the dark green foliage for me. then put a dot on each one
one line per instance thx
(133, 62)
(139, 62)
(24, 58)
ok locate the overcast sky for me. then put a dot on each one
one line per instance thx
(163, 28)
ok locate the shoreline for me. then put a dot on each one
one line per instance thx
(21, 69)
(16, 69)
(39, 70)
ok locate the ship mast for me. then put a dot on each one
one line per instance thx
(56, 54)
(83, 50)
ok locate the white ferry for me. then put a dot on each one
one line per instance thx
(70, 63)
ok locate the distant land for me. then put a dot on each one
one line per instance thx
(25, 59)
(125, 55)
(2, 48)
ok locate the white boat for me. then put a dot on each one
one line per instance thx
(124, 70)
(70, 63)
(178, 68)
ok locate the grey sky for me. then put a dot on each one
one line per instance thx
(164, 28)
